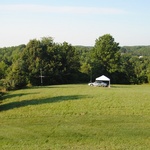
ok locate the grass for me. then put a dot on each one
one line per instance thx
(77, 117)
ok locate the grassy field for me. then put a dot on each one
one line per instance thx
(76, 117)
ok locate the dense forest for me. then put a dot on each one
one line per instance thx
(44, 62)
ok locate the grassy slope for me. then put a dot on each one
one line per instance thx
(76, 117)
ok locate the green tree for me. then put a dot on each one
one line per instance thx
(126, 72)
(134, 69)
(17, 76)
(84, 53)
(69, 62)
(141, 69)
(59, 62)
(3, 68)
(34, 56)
(106, 55)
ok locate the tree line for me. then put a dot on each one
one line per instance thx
(44, 62)
(136, 50)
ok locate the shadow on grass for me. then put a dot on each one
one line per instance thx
(1, 96)
(24, 103)
(15, 95)
(120, 86)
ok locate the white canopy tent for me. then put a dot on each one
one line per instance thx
(103, 78)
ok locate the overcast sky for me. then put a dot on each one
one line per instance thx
(78, 22)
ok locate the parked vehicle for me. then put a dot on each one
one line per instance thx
(103, 84)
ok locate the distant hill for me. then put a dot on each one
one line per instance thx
(133, 50)
(136, 50)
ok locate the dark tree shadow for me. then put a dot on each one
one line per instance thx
(5, 96)
(50, 86)
(24, 103)
(120, 86)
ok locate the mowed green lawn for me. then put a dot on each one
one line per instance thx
(76, 117)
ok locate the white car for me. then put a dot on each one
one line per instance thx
(98, 84)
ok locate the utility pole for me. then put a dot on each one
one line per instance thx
(41, 76)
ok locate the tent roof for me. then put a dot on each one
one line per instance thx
(103, 78)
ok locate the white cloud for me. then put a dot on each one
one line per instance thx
(59, 9)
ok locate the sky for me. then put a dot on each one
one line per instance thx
(78, 22)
